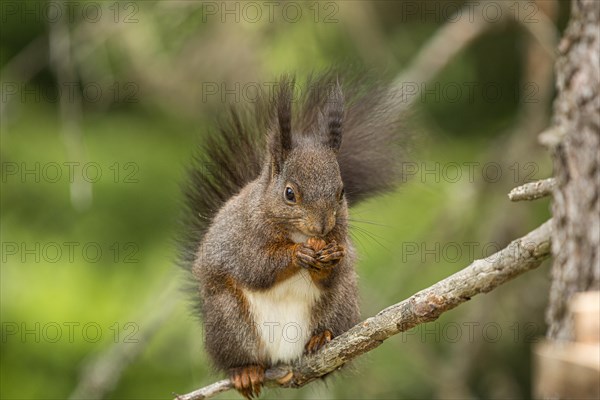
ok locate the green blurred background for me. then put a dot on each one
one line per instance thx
(102, 106)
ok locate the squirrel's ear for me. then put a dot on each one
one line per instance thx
(334, 112)
(280, 142)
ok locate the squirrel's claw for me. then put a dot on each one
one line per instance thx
(248, 380)
(317, 341)
(333, 256)
(305, 257)
(331, 252)
(321, 260)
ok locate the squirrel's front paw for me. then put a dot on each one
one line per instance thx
(318, 256)
(304, 257)
(248, 380)
(330, 254)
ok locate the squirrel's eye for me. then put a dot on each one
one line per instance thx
(290, 196)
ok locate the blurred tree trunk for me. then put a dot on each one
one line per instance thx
(576, 209)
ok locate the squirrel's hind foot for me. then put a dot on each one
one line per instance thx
(248, 380)
(317, 341)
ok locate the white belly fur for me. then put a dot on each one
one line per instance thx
(283, 316)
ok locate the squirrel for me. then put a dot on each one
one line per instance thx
(266, 237)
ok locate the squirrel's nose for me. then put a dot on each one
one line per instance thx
(327, 224)
(316, 230)
(322, 227)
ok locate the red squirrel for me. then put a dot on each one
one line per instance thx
(267, 224)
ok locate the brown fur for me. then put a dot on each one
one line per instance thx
(244, 227)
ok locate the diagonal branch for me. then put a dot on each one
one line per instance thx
(481, 276)
(533, 190)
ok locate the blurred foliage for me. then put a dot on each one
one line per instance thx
(140, 132)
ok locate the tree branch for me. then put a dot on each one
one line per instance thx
(533, 190)
(481, 276)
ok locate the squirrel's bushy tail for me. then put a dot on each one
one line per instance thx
(373, 147)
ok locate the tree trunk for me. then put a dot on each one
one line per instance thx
(576, 207)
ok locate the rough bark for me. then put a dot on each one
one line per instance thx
(576, 206)
(532, 190)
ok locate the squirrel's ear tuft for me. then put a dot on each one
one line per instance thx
(334, 112)
(280, 142)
